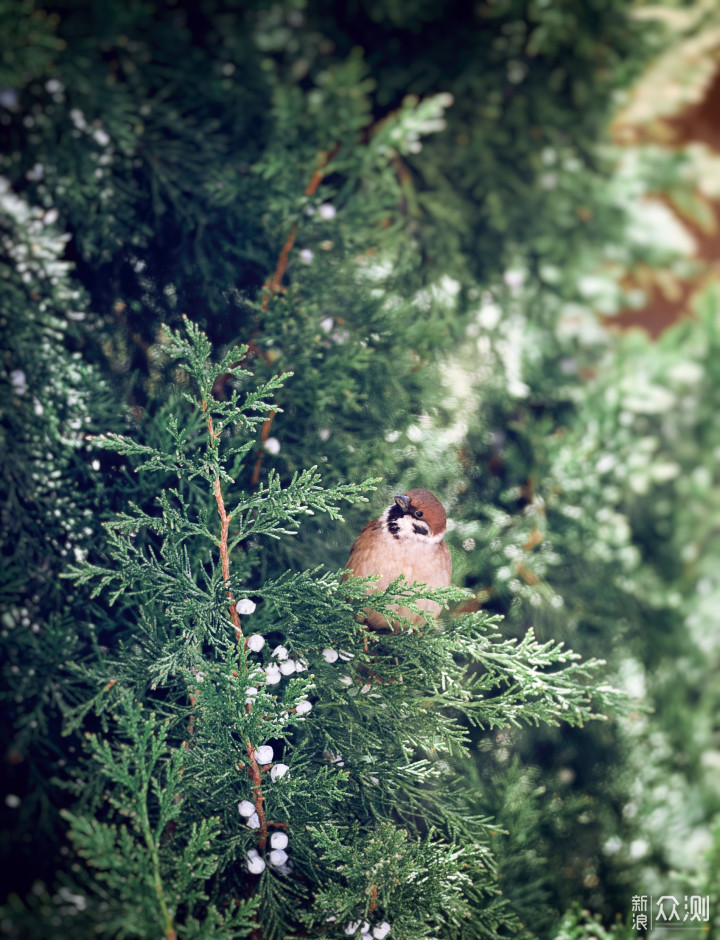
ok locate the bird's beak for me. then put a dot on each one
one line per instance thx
(403, 502)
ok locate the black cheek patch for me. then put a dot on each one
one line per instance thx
(394, 513)
(420, 529)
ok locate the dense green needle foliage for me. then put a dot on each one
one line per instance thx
(386, 239)
(361, 730)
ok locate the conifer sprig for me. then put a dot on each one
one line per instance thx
(138, 861)
(315, 756)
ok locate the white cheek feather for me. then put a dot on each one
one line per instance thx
(406, 532)
(433, 539)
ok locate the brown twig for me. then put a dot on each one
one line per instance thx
(534, 539)
(224, 529)
(274, 284)
(264, 434)
(253, 769)
(373, 897)
(253, 772)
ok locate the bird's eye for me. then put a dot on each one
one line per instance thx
(418, 513)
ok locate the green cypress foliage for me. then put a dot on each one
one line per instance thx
(382, 235)
(262, 758)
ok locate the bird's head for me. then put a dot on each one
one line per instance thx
(418, 515)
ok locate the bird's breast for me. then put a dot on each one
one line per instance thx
(419, 561)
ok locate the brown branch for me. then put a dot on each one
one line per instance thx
(373, 897)
(265, 433)
(528, 576)
(253, 772)
(224, 528)
(274, 285)
(119, 308)
(534, 539)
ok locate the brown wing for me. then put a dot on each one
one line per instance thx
(445, 566)
(373, 554)
(362, 562)
(360, 552)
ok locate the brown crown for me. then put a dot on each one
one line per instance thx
(432, 509)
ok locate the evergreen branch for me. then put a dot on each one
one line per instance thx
(303, 495)
(253, 772)
(153, 459)
(275, 284)
(225, 560)
(196, 350)
(151, 843)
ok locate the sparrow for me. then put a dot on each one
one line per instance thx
(407, 539)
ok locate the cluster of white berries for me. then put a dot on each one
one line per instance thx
(366, 932)
(332, 656)
(264, 756)
(326, 212)
(283, 665)
(277, 856)
(337, 333)
(18, 381)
